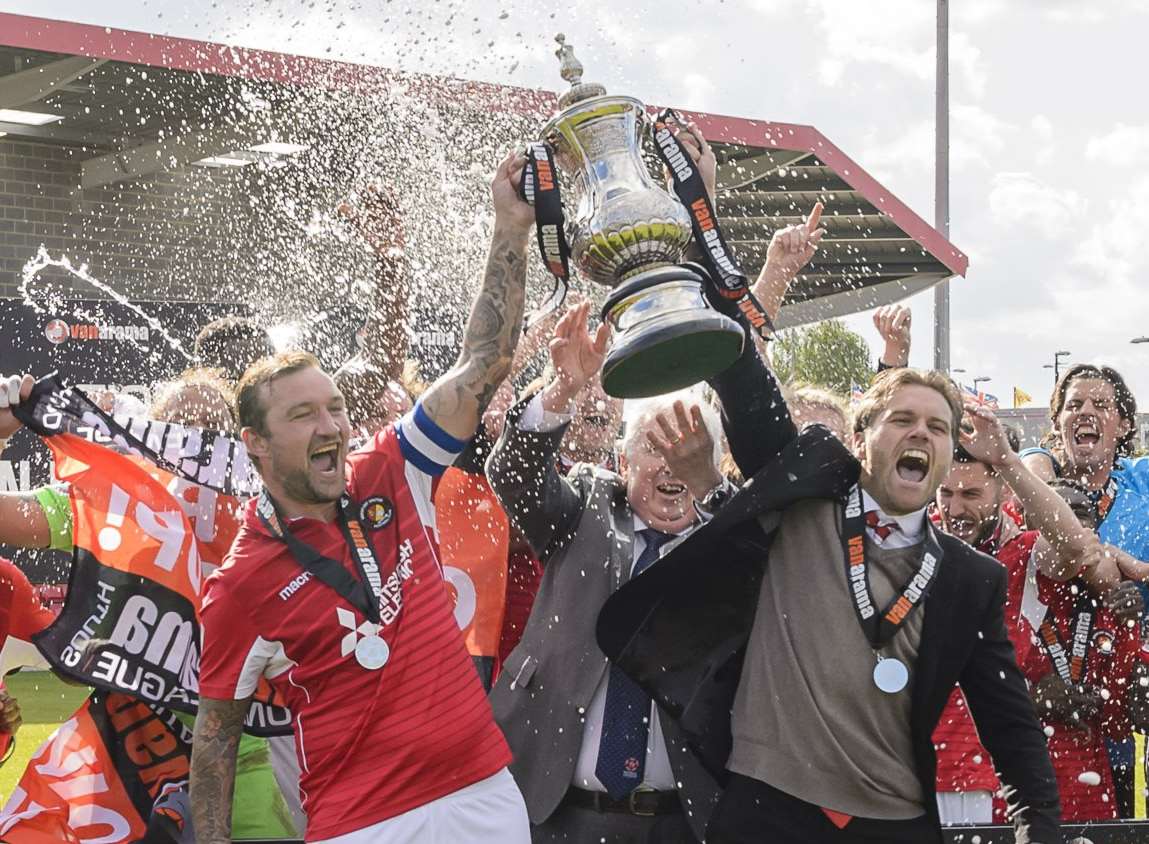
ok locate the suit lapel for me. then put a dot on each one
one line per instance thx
(940, 616)
(622, 539)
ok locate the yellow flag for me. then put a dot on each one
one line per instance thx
(1021, 397)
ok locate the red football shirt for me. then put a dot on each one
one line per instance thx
(1079, 753)
(963, 764)
(21, 613)
(371, 744)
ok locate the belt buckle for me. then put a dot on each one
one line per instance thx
(632, 805)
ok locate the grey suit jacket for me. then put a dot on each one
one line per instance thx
(581, 527)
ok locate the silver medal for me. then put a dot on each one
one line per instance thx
(891, 675)
(372, 652)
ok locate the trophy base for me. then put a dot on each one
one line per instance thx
(666, 335)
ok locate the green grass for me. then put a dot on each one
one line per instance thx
(45, 703)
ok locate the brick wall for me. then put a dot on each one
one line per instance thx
(183, 235)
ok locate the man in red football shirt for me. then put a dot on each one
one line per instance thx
(334, 593)
(969, 504)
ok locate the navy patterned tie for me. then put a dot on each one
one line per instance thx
(622, 747)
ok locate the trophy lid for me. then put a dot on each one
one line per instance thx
(571, 70)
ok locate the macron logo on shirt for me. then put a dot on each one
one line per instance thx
(295, 585)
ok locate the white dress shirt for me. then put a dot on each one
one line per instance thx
(657, 774)
(911, 527)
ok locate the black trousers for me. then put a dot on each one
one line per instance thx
(574, 825)
(751, 812)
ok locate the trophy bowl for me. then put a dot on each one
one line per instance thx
(629, 234)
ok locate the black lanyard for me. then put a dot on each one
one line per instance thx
(880, 628)
(539, 187)
(329, 571)
(1073, 664)
(1105, 499)
(728, 278)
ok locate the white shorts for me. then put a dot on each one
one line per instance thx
(965, 807)
(491, 811)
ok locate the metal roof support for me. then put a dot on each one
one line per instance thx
(171, 154)
(35, 83)
(942, 184)
(739, 173)
(853, 301)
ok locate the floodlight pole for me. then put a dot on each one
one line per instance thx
(942, 184)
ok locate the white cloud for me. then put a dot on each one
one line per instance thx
(1020, 200)
(1122, 145)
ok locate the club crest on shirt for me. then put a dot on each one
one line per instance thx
(377, 512)
(1103, 641)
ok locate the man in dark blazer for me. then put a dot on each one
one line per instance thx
(811, 686)
(592, 758)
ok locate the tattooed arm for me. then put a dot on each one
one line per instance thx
(218, 727)
(457, 400)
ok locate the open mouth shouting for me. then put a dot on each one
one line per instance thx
(1086, 432)
(325, 460)
(913, 466)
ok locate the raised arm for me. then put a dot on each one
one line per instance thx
(522, 468)
(791, 248)
(1074, 546)
(215, 743)
(457, 400)
(893, 323)
(22, 519)
(375, 216)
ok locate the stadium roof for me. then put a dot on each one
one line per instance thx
(137, 103)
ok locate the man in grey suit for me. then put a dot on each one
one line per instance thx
(594, 759)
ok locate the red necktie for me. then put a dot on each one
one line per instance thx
(882, 529)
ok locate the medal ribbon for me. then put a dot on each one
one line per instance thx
(729, 280)
(881, 627)
(329, 571)
(1071, 665)
(540, 187)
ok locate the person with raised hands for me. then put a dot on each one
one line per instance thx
(333, 592)
(822, 589)
(592, 755)
(790, 249)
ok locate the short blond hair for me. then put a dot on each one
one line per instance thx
(889, 381)
(817, 397)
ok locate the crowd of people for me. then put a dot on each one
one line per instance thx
(750, 612)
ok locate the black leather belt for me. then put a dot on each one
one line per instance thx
(642, 801)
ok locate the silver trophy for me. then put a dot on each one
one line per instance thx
(629, 234)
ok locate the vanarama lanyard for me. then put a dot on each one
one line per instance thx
(729, 279)
(881, 627)
(1071, 666)
(540, 187)
(329, 571)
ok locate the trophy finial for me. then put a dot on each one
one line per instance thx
(571, 70)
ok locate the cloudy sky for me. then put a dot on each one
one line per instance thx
(1048, 125)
